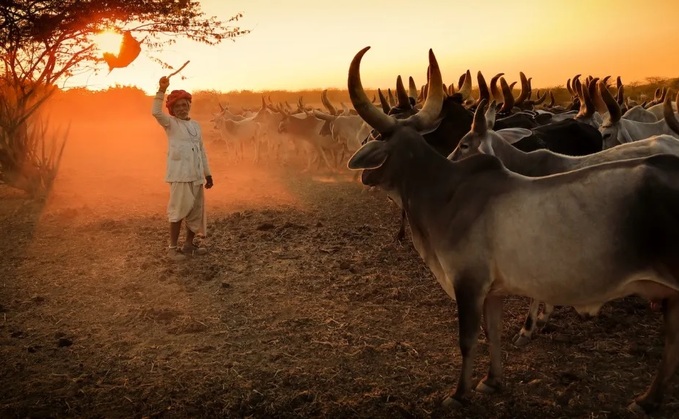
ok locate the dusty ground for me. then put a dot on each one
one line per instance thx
(303, 308)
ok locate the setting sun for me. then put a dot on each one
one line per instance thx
(108, 41)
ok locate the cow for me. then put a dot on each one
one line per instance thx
(543, 163)
(617, 130)
(305, 127)
(486, 232)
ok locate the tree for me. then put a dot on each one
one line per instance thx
(44, 42)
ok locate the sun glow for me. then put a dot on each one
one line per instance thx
(108, 41)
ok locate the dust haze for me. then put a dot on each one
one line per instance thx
(114, 161)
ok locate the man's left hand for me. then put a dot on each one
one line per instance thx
(208, 182)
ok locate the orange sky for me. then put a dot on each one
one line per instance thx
(298, 44)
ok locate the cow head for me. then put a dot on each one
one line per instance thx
(374, 156)
(477, 139)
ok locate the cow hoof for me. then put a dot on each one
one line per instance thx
(452, 403)
(521, 340)
(635, 408)
(484, 388)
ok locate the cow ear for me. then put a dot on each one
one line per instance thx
(514, 135)
(371, 155)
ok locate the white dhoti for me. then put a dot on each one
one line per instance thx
(187, 202)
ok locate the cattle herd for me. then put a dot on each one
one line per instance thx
(574, 204)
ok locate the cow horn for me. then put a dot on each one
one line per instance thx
(570, 89)
(369, 113)
(326, 102)
(426, 118)
(403, 102)
(599, 104)
(483, 87)
(589, 93)
(611, 104)
(383, 102)
(575, 83)
(668, 113)
(552, 102)
(540, 99)
(466, 88)
(479, 124)
(412, 88)
(324, 116)
(509, 98)
(525, 89)
(390, 98)
(657, 93)
(495, 92)
(620, 95)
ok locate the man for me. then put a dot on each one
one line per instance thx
(187, 169)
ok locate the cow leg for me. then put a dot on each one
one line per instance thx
(652, 398)
(401, 234)
(469, 308)
(526, 332)
(492, 314)
(543, 319)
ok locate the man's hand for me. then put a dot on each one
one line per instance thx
(163, 84)
(208, 182)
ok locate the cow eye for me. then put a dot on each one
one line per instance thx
(464, 146)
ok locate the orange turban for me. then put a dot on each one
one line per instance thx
(174, 96)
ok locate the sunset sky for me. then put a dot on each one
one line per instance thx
(297, 44)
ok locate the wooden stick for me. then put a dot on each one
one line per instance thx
(180, 69)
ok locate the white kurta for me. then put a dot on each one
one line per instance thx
(187, 167)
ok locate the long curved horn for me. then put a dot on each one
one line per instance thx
(494, 91)
(412, 88)
(668, 113)
(509, 98)
(620, 95)
(466, 88)
(383, 101)
(525, 89)
(540, 99)
(589, 94)
(479, 124)
(598, 101)
(483, 87)
(326, 102)
(403, 102)
(324, 116)
(551, 100)
(570, 89)
(380, 121)
(575, 82)
(429, 114)
(657, 94)
(611, 104)
(390, 98)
